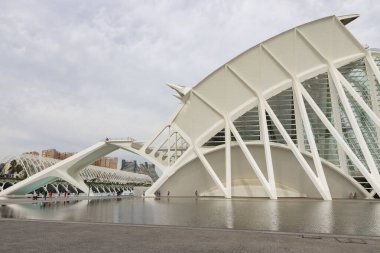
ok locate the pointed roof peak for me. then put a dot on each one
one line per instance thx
(181, 90)
(345, 19)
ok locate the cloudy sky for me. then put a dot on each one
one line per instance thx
(74, 72)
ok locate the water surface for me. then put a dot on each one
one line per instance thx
(355, 217)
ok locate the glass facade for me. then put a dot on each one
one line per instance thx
(356, 74)
(319, 88)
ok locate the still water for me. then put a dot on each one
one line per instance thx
(356, 217)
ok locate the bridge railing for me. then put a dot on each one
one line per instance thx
(130, 139)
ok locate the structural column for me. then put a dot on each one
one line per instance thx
(337, 123)
(299, 126)
(311, 140)
(227, 136)
(268, 154)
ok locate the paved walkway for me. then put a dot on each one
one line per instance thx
(51, 236)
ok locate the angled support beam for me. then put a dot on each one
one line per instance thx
(267, 150)
(373, 94)
(358, 134)
(372, 87)
(373, 66)
(160, 130)
(269, 187)
(210, 170)
(299, 125)
(174, 146)
(155, 149)
(228, 189)
(158, 133)
(252, 162)
(354, 123)
(370, 178)
(311, 140)
(337, 123)
(215, 109)
(207, 103)
(227, 141)
(300, 105)
(358, 99)
(321, 189)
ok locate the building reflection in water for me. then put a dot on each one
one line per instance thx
(290, 215)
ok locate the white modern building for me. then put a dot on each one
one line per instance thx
(101, 179)
(294, 116)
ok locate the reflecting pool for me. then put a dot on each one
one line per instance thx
(356, 217)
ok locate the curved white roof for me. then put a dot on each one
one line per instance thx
(265, 70)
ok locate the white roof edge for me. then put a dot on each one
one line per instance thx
(345, 19)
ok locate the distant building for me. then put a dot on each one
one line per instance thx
(64, 155)
(149, 169)
(31, 153)
(108, 162)
(130, 166)
(143, 168)
(50, 153)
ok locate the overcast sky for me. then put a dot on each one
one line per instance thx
(74, 72)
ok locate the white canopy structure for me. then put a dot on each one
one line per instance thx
(295, 116)
(33, 164)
